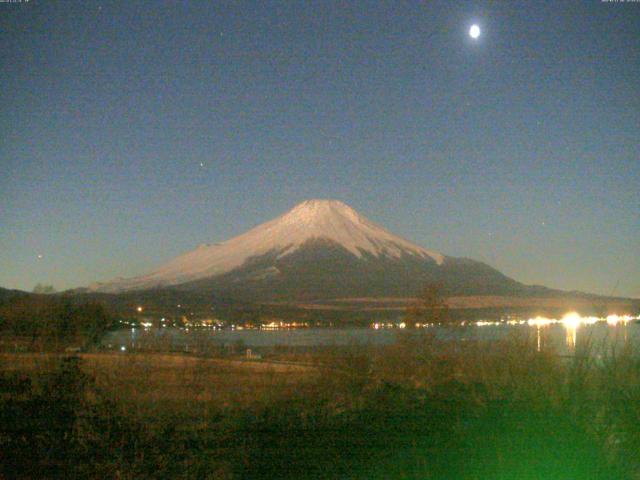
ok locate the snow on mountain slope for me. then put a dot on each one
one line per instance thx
(313, 219)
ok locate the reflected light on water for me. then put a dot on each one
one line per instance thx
(571, 321)
(571, 333)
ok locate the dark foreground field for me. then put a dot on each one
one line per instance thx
(491, 411)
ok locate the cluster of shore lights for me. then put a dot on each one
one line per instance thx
(383, 325)
(283, 325)
(571, 320)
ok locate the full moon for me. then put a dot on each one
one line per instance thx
(474, 31)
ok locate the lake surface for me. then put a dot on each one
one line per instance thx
(562, 337)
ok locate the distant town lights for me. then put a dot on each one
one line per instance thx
(139, 309)
(571, 320)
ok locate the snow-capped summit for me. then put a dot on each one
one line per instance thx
(329, 221)
(334, 220)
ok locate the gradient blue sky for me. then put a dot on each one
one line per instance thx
(521, 149)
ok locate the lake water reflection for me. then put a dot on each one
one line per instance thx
(564, 336)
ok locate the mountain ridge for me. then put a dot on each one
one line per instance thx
(319, 249)
(309, 220)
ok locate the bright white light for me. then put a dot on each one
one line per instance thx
(571, 320)
(123, 348)
(474, 31)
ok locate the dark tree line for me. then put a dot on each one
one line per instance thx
(54, 320)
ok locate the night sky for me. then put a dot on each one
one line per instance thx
(133, 131)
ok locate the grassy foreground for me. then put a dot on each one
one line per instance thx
(415, 409)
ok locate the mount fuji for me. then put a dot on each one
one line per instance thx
(320, 249)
